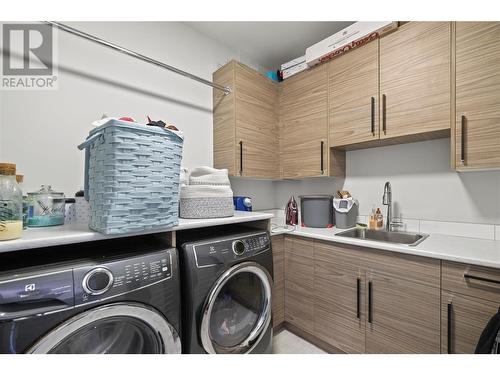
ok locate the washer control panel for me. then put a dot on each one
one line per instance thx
(218, 252)
(105, 280)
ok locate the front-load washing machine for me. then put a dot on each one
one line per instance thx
(227, 290)
(127, 301)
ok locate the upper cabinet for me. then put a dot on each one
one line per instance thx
(353, 96)
(246, 123)
(398, 87)
(303, 124)
(415, 80)
(477, 118)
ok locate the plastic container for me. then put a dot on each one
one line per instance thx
(11, 203)
(132, 177)
(79, 211)
(316, 211)
(346, 212)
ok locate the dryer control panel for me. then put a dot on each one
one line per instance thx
(219, 252)
(93, 283)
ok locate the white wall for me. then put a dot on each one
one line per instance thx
(39, 130)
(261, 191)
(423, 185)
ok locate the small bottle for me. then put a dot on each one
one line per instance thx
(20, 182)
(379, 219)
(372, 223)
(11, 208)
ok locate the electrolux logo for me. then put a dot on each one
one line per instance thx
(28, 57)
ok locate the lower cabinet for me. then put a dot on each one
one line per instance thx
(403, 316)
(463, 319)
(278, 301)
(403, 303)
(299, 283)
(470, 297)
(361, 300)
(339, 303)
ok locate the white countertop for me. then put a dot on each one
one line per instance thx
(67, 234)
(453, 248)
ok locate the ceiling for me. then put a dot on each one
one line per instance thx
(269, 44)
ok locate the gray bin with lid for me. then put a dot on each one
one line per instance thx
(316, 211)
(346, 212)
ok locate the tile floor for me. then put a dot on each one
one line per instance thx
(286, 342)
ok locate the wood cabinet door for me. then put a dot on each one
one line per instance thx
(278, 246)
(477, 135)
(224, 141)
(256, 124)
(339, 306)
(303, 124)
(463, 319)
(402, 315)
(299, 283)
(415, 79)
(353, 96)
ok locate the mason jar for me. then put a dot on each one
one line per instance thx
(11, 203)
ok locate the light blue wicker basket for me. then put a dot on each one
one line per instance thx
(132, 177)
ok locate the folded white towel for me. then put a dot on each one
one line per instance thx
(208, 176)
(205, 182)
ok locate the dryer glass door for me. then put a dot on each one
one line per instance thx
(112, 329)
(238, 310)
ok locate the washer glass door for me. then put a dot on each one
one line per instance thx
(120, 328)
(117, 335)
(237, 311)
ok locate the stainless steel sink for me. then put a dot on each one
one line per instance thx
(404, 238)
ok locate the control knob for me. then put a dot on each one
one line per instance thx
(97, 281)
(238, 247)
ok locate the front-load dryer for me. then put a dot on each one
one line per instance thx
(127, 301)
(227, 290)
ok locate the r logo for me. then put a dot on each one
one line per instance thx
(27, 50)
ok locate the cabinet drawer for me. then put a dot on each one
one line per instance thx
(474, 281)
(417, 269)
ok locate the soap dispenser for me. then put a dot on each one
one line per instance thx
(379, 219)
(372, 222)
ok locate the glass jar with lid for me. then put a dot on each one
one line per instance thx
(11, 203)
(45, 207)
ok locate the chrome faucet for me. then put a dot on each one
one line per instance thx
(390, 223)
